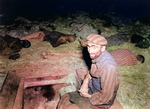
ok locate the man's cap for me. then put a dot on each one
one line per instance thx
(96, 39)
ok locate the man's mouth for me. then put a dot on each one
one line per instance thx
(92, 54)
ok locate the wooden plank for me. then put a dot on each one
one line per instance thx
(3, 76)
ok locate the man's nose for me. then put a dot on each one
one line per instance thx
(89, 50)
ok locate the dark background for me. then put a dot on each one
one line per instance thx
(33, 9)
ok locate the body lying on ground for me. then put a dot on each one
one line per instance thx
(54, 37)
(10, 46)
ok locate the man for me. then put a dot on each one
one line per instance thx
(77, 27)
(126, 57)
(54, 37)
(99, 86)
(59, 55)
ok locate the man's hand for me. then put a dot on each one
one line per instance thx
(84, 94)
(88, 76)
(84, 87)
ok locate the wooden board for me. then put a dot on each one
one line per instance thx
(3, 76)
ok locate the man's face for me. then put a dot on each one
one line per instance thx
(72, 24)
(94, 50)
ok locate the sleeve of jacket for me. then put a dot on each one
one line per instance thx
(108, 83)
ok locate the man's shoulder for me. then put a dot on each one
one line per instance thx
(108, 62)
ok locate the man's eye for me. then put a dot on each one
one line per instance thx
(94, 47)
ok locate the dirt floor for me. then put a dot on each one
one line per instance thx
(133, 93)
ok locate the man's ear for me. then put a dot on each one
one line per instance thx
(103, 48)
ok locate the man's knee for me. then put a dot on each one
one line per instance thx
(116, 105)
(65, 103)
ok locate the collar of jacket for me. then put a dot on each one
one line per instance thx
(98, 59)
